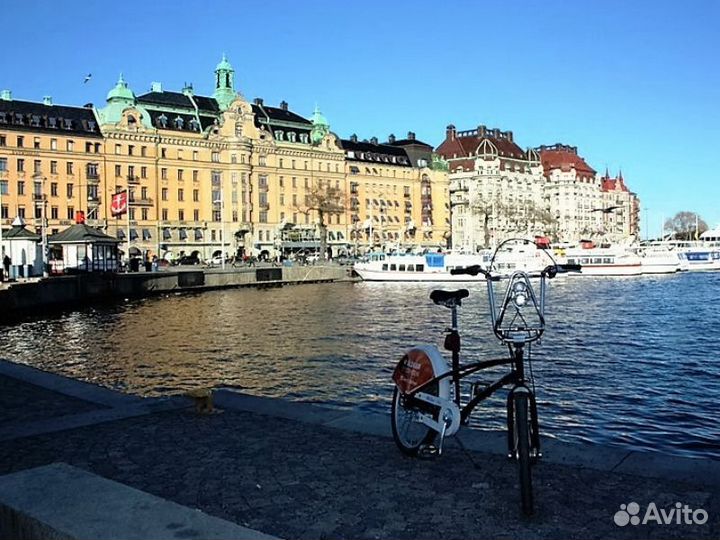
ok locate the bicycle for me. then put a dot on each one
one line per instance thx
(426, 399)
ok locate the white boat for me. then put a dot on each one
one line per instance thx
(700, 259)
(604, 261)
(428, 267)
(437, 266)
(656, 259)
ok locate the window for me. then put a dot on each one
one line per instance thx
(195, 176)
(118, 170)
(196, 195)
(20, 165)
(118, 149)
(5, 212)
(164, 194)
(53, 144)
(196, 215)
(263, 216)
(282, 182)
(164, 214)
(36, 143)
(215, 157)
(70, 146)
(180, 154)
(163, 153)
(282, 199)
(69, 191)
(37, 166)
(307, 183)
(3, 140)
(4, 187)
(20, 142)
(53, 167)
(3, 164)
(294, 182)
(131, 150)
(181, 194)
(181, 214)
(144, 214)
(262, 160)
(131, 171)
(54, 189)
(143, 151)
(281, 160)
(195, 155)
(21, 211)
(163, 173)
(143, 172)
(180, 175)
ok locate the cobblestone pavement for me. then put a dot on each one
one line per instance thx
(297, 480)
(24, 402)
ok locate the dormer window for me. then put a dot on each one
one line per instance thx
(162, 121)
(303, 138)
(35, 122)
(279, 134)
(194, 125)
(291, 136)
(179, 122)
(67, 123)
(52, 122)
(19, 119)
(131, 120)
(3, 117)
(91, 125)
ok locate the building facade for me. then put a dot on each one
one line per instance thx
(496, 188)
(212, 175)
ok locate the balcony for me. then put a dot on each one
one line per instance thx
(93, 202)
(142, 201)
(93, 178)
(133, 179)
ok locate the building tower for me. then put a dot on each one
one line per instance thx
(224, 83)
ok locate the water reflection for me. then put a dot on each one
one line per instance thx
(630, 362)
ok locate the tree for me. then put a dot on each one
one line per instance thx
(325, 200)
(686, 225)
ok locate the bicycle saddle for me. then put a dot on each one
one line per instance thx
(449, 298)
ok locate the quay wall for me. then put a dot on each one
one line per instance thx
(34, 298)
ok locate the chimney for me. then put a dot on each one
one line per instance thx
(47, 100)
(284, 105)
(450, 132)
(156, 87)
(353, 138)
(6, 95)
(374, 140)
(509, 135)
(258, 101)
(391, 139)
(482, 130)
(496, 133)
(411, 135)
(188, 89)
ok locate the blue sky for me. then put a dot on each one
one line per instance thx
(635, 85)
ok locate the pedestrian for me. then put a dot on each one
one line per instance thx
(6, 265)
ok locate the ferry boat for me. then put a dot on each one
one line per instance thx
(604, 261)
(700, 259)
(437, 266)
(656, 259)
(409, 267)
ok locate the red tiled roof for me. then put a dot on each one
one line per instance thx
(564, 160)
(465, 146)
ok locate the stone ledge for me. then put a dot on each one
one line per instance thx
(61, 502)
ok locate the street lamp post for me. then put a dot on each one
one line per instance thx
(43, 221)
(647, 230)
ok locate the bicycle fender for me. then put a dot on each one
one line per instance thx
(420, 365)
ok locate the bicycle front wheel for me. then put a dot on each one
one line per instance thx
(522, 434)
(409, 434)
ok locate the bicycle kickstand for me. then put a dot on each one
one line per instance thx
(430, 450)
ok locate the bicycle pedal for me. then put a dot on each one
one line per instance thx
(428, 451)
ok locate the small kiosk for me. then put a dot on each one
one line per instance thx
(21, 246)
(82, 248)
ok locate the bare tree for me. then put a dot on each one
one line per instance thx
(325, 200)
(487, 207)
(686, 225)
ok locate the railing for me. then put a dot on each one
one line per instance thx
(133, 179)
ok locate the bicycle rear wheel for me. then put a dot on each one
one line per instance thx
(522, 434)
(409, 434)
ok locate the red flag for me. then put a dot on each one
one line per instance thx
(119, 204)
(79, 216)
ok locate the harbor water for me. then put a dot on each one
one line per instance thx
(631, 362)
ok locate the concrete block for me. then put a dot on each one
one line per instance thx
(59, 501)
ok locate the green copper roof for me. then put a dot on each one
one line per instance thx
(121, 91)
(224, 64)
(318, 119)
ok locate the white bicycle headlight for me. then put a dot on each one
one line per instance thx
(519, 294)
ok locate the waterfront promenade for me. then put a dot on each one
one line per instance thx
(296, 470)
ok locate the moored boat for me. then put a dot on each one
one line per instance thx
(427, 267)
(604, 261)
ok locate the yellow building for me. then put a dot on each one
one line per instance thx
(219, 174)
(51, 156)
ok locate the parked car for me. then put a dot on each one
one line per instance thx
(188, 260)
